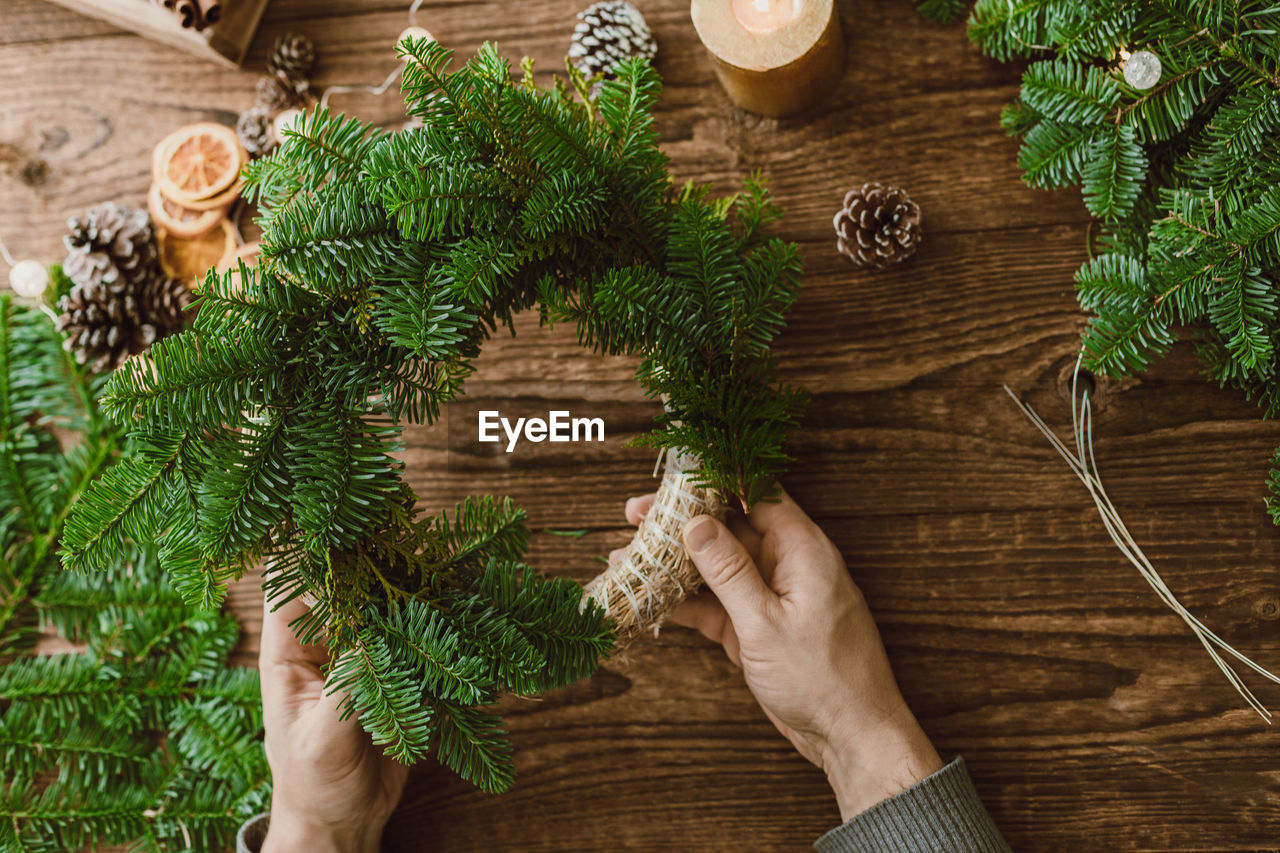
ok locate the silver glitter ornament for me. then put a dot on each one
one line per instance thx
(1142, 69)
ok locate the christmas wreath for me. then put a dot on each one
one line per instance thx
(267, 428)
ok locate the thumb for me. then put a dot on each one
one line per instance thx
(728, 570)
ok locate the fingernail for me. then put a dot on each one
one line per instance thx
(700, 533)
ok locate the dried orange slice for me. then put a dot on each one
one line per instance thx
(179, 221)
(222, 200)
(191, 259)
(198, 162)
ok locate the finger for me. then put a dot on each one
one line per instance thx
(615, 555)
(290, 675)
(279, 643)
(750, 540)
(729, 571)
(705, 614)
(779, 515)
(638, 507)
(326, 716)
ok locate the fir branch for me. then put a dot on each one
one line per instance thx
(942, 11)
(82, 734)
(125, 505)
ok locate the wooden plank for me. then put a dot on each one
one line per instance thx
(1090, 718)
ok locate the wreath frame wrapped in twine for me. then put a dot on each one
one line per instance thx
(654, 572)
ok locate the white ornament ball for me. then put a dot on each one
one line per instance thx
(284, 121)
(29, 279)
(1142, 69)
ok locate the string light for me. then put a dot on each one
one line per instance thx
(414, 30)
(1142, 69)
(27, 278)
(1084, 465)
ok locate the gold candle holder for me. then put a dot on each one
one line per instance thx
(773, 57)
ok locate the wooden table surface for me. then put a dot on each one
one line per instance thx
(1091, 719)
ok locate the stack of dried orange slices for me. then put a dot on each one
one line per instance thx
(195, 180)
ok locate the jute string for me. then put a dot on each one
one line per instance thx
(654, 573)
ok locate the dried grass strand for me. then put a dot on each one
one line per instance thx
(1085, 466)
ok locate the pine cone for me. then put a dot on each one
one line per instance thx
(292, 54)
(279, 91)
(103, 326)
(112, 245)
(607, 35)
(255, 131)
(878, 226)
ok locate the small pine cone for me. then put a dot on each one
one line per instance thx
(608, 34)
(255, 131)
(878, 226)
(278, 91)
(111, 244)
(293, 54)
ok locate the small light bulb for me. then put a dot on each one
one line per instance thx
(414, 32)
(1142, 69)
(29, 279)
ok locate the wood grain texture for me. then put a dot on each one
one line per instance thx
(1090, 717)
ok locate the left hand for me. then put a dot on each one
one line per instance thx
(333, 790)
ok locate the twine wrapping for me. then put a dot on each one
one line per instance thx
(654, 573)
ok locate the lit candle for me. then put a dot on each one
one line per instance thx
(773, 57)
(765, 16)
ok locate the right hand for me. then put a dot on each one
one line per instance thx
(780, 601)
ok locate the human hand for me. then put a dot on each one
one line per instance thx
(780, 600)
(333, 790)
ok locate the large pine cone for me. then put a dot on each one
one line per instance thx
(113, 245)
(609, 34)
(292, 54)
(104, 326)
(163, 302)
(878, 226)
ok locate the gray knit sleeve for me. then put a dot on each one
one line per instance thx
(940, 814)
